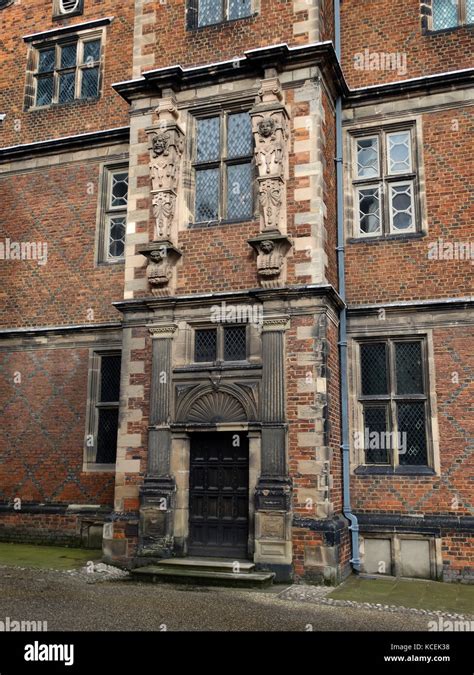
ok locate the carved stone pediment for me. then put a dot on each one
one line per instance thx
(216, 403)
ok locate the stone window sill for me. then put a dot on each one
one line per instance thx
(379, 470)
(387, 237)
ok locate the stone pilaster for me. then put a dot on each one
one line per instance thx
(158, 490)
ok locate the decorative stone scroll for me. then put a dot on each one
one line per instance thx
(165, 144)
(270, 129)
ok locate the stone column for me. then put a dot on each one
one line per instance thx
(158, 490)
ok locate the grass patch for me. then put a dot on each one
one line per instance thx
(46, 557)
(415, 593)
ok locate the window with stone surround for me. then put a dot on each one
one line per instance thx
(385, 182)
(223, 167)
(113, 213)
(447, 14)
(202, 13)
(222, 343)
(393, 402)
(104, 395)
(65, 70)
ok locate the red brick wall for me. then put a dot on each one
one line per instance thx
(34, 16)
(387, 26)
(393, 271)
(41, 528)
(56, 206)
(43, 428)
(174, 44)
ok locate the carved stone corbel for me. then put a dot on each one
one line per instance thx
(162, 257)
(271, 248)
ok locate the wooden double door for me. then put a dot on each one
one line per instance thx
(219, 495)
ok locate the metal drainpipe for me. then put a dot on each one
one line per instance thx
(345, 446)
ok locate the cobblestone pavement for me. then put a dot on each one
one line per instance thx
(68, 601)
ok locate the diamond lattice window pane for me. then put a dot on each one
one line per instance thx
(44, 90)
(239, 8)
(412, 432)
(68, 56)
(399, 155)
(107, 436)
(401, 201)
(91, 53)
(369, 210)
(368, 157)
(445, 14)
(208, 140)
(67, 85)
(210, 11)
(117, 236)
(377, 450)
(119, 191)
(205, 346)
(409, 367)
(239, 135)
(110, 378)
(207, 195)
(46, 60)
(469, 11)
(235, 343)
(239, 191)
(373, 364)
(90, 83)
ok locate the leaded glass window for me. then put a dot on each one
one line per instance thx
(451, 14)
(209, 12)
(108, 408)
(222, 343)
(68, 70)
(223, 166)
(115, 213)
(385, 182)
(394, 403)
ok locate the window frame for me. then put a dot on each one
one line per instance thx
(223, 112)
(462, 21)
(57, 44)
(391, 400)
(192, 14)
(220, 353)
(106, 212)
(94, 405)
(385, 179)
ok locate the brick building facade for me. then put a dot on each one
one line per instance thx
(184, 186)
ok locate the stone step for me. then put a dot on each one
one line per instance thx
(189, 575)
(209, 564)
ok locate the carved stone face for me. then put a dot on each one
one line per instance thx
(267, 247)
(160, 144)
(266, 127)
